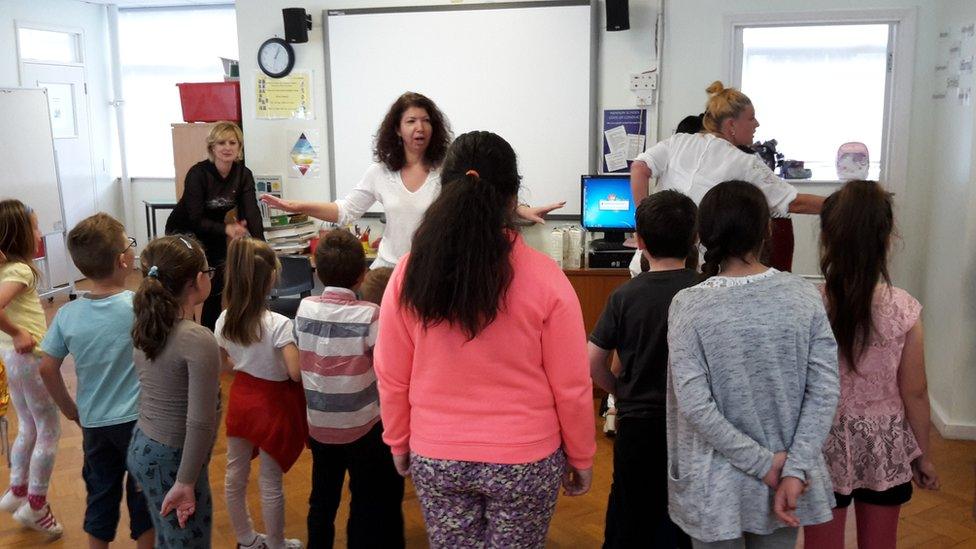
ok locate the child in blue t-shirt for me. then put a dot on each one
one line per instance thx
(96, 330)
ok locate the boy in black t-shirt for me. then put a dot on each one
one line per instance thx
(634, 323)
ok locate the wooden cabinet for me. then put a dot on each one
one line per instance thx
(189, 147)
(593, 287)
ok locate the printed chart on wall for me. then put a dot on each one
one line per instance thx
(268, 184)
(284, 98)
(304, 153)
(954, 64)
(624, 137)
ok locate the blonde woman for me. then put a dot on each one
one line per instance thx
(693, 163)
(213, 188)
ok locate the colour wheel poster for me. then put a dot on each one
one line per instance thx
(304, 155)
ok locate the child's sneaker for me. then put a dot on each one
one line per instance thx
(258, 543)
(293, 544)
(41, 520)
(10, 503)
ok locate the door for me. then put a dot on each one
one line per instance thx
(67, 98)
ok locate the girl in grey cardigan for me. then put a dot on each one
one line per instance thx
(752, 388)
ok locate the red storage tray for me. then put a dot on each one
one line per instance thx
(210, 101)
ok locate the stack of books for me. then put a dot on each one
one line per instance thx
(289, 234)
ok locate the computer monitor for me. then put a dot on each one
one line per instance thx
(607, 206)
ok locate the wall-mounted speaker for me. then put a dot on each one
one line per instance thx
(618, 15)
(297, 25)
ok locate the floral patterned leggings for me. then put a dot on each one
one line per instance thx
(38, 424)
(473, 504)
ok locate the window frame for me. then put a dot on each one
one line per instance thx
(77, 32)
(135, 165)
(898, 86)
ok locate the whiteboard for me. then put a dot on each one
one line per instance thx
(27, 158)
(525, 71)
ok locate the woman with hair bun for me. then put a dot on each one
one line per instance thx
(694, 163)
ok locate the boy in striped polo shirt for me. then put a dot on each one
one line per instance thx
(336, 333)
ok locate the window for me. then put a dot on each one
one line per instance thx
(817, 86)
(48, 45)
(158, 49)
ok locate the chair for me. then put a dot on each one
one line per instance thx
(295, 278)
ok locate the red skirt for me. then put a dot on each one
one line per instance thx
(781, 245)
(270, 415)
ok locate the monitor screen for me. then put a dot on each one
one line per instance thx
(607, 203)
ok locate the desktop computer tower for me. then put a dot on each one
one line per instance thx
(610, 259)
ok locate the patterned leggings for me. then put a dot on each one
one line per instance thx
(154, 466)
(38, 424)
(472, 504)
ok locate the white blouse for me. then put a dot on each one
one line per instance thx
(404, 209)
(694, 163)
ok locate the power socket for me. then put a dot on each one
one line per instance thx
(643, 81)
(643, 85)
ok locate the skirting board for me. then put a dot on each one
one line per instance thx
(955, 431)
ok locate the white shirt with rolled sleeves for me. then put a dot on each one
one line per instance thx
(694, 163)
(404, 209)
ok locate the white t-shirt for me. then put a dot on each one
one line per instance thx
(263, 358)
(694, 163)
(404, 209)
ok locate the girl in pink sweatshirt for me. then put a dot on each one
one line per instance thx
(481, 360)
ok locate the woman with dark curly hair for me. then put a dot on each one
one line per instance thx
(410, 145)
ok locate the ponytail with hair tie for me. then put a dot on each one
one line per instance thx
(169, 263)
(459, 268)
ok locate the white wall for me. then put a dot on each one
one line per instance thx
(950, 273)
(621, 53)
(93, 22)
(927, 260)
(695, 55)
(936, 215)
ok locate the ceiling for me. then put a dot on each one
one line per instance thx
(159, 3)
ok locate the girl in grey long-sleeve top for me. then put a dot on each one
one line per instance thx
(178, 362)
(752, 388)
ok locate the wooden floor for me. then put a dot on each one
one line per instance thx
(930, 520)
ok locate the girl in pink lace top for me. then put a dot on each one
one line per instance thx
(879, 441)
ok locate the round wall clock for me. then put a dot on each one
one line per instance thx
(276, 57)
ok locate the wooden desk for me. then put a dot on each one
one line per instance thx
(593, 287)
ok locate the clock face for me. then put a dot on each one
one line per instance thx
(276, 57)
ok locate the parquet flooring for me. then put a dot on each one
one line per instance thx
(930, 520)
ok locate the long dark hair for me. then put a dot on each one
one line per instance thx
(733, 221)
(855, 228)
(168, 263)
(388, 148)
(459, 269)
